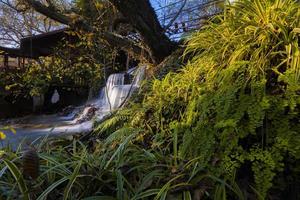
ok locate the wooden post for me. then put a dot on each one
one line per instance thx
(23, 63)
(6, 62)
(19, 63)
(2, 62)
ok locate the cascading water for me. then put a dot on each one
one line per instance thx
(116, 92)
(113, 96)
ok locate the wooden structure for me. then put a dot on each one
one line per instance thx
(31, 47)
(10, 62)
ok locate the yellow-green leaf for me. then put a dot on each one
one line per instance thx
(2, 135)
(296, 30)
(13, 131)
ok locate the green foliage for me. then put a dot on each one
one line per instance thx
(18, 177)
(75, 63)
(250, 73)
(98, 13)
(237, 101)
(225, 126)
(78, 60)
(111, 170)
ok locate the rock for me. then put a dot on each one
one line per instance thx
(66, 111)
(87, 114)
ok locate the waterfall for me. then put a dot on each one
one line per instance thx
(115, 93)
(112, 96)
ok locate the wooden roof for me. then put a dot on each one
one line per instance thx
(37, 45)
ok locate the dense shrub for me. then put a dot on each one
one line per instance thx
(235, 106)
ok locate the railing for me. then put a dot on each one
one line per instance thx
(12, 69)
(12, 66)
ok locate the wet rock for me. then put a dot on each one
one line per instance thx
(87, 114)
(66, 111)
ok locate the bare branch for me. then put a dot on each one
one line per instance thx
(14, 7)
(176, 16)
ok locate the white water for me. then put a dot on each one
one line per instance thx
(116, 92)
(111, 97)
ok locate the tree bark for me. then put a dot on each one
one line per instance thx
(142, 17)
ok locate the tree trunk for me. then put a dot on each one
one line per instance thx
(142, 17)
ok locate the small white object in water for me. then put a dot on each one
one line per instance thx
(55, 97)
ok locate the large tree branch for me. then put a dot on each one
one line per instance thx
(49, 12)
(112, 39)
